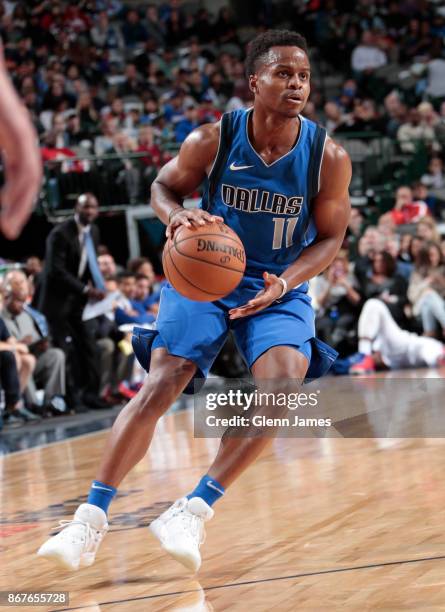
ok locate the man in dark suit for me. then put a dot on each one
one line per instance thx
(70, 278)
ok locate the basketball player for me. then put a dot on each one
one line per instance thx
(282, 185)
(21, 159)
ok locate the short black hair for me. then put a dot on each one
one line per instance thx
(124, 275)
(261, 44)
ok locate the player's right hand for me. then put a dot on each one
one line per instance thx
(190, 217)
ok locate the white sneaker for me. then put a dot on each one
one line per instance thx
(77, 544)
(180, 529)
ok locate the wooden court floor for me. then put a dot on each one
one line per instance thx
(316, 524)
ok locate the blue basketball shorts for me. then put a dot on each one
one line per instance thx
(197, 330)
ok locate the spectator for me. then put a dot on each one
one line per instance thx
(439, 128)
(142, 265)
(333, 116)
(427, 230)
(367, 56)
(363, 119)
(396, 113)
(384, 283)
(207, 113)
(133, 31)
(132, 85)
(107, 266)
(70, 277)
(105, 35)
(338, 302)
(436, 72)
(383, 343)
(154, 27)
(175, 32)
(413, 131)
(128, 312)
(188, 124)
(9, 380)
(420, 194)
(225, 27)
(426, 290)
(88, 116)
(30, 328)
(125, 170)
(104, 141)
(435, 178)
(405, 209)
(355, 230)
(17, 366)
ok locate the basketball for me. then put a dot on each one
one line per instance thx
(205, 263)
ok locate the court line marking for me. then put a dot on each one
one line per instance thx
(258, 581)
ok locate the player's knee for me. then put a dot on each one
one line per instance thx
(161, 389)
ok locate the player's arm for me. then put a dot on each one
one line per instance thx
(183, 175)
(21, 158)
(331, 210)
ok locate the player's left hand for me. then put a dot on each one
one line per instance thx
(264, 298)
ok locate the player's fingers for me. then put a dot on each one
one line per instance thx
(212, 218)
(182, 221)
(241, 311)
(245, 311)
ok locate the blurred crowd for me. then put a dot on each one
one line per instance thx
(103, 79)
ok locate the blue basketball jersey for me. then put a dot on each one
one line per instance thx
(267, 205)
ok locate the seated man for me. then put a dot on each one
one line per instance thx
(383, 343)
(29, 327)
(16, 366)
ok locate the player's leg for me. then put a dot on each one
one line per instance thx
(181, 528)
(276, 371)
(133, 429)
(77, 544)
(273, 344)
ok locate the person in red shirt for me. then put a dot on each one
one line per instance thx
(405, 209)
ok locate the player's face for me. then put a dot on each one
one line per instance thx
(282, 83)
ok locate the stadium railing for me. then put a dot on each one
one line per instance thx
(120, 181)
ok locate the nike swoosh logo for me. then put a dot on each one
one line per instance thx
(235, 168)
(94, 486)
(212, 486)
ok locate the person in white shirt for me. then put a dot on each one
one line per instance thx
(367, 56)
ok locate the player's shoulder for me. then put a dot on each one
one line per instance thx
(201, 146)
(336, 167)
(334, 153)
(206, 135)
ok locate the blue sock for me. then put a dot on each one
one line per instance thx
(208, 489)
(101, 495)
